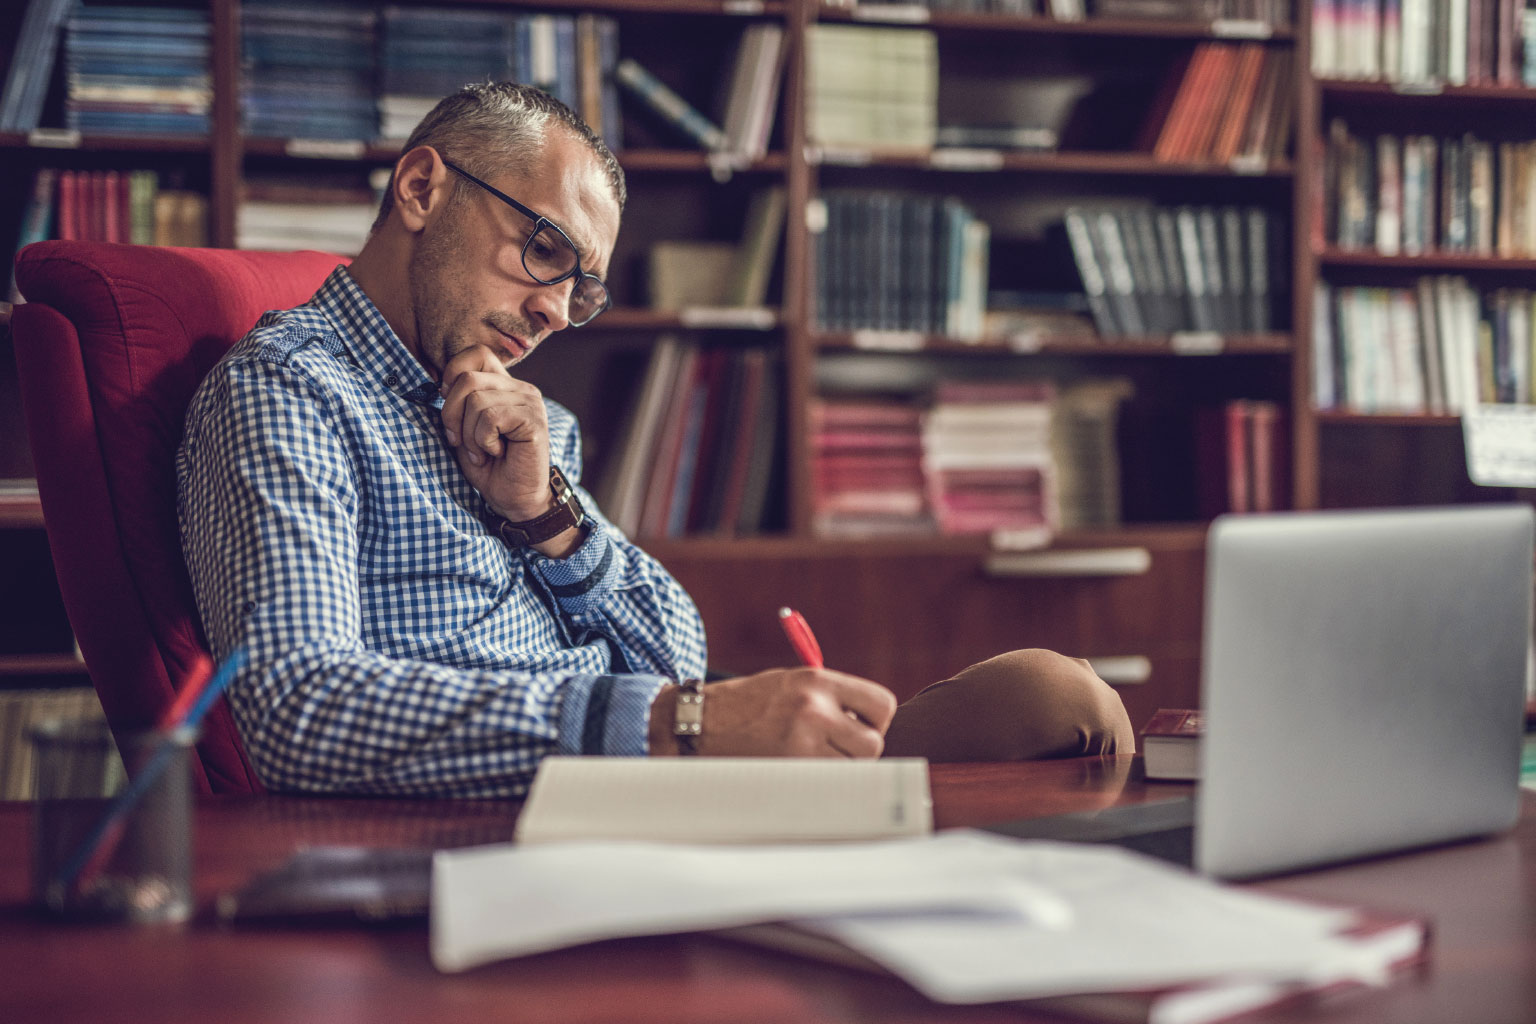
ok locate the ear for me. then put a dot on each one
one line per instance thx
(420, 187)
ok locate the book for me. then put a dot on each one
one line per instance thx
(725, 800)
(1170, 744)
(663, 101)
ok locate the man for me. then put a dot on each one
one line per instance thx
(388, 521)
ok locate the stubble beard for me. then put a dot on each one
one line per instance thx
(442, 315)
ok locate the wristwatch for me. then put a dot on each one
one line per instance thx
(566, 513)
(688, 725)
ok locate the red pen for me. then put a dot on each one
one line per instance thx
(800, 637)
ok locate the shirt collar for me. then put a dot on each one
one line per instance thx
(370, 341)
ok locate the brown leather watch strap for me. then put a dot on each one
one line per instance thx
(566, 513)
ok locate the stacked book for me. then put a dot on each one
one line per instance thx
(112, 206)
(867, 468)
(20, 710)
(892, 262)
(283, 214)
(137, 70)
(426, 53)
(1228, 102)
(1459, 42)
(308, 71)
(871, 88)
(1415, 194)
(987, 458)
(1441, 346)
(699, 450)
(1086, 451)
(1154, 271)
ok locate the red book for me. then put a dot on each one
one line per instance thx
(1170, 744)
(68, 227)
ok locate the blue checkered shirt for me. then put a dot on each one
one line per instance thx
(395, 646)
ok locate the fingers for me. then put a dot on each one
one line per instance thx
(871, 702)
(493, 417)
(482, 404)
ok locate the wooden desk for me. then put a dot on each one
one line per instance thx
(1481, 897)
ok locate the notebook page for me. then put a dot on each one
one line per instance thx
(725, 800)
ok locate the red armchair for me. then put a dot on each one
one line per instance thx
(110, 345)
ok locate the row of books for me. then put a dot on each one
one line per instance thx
(137, 70)
(894, 262)
(699, 450)
(871, 88)
(1019, 459)
(284, 214)
(1273, 12)
(1241, 454)
(1225, 102)
(308, 71)
(1442, 346)
(1460, 42)
(1152, 271)
(110, 206)
(1414, 194)
(427, 53)
(20, 710)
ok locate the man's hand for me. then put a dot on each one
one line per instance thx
(498, 426)
(797, 712)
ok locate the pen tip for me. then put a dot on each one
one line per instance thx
(785, 613)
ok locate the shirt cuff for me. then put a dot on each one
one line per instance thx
(584, 577)
(608, 714)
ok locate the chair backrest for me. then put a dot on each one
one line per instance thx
(110, 344)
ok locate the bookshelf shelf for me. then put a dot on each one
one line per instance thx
(1059, 162)
(628, 318)
(41, 665)
(1154, 536)
(643, 161)
(725, 8)
(1422, 95)
(1151, 347)
(1087, 28)
(1430, 263)
(1338, 418)
(107, 143)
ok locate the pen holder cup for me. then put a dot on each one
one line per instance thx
(106, 847)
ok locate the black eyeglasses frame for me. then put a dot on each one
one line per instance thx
(541, 222)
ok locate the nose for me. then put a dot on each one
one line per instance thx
(550, 304)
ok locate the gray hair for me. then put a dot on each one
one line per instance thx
(493, 127)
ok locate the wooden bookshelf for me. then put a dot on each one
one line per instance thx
(1346, 457)
(678, 192)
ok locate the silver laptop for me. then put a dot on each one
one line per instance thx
(1363, 680)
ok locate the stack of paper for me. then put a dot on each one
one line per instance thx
(964, 917)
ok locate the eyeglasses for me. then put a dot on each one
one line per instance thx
(549, 258)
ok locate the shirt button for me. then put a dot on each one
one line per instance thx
(391, 381)
(248, 607)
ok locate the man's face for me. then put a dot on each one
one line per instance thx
(468, 283)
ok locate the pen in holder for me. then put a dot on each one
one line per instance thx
(127, 858)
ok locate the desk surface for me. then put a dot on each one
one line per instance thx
(1480, 896)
